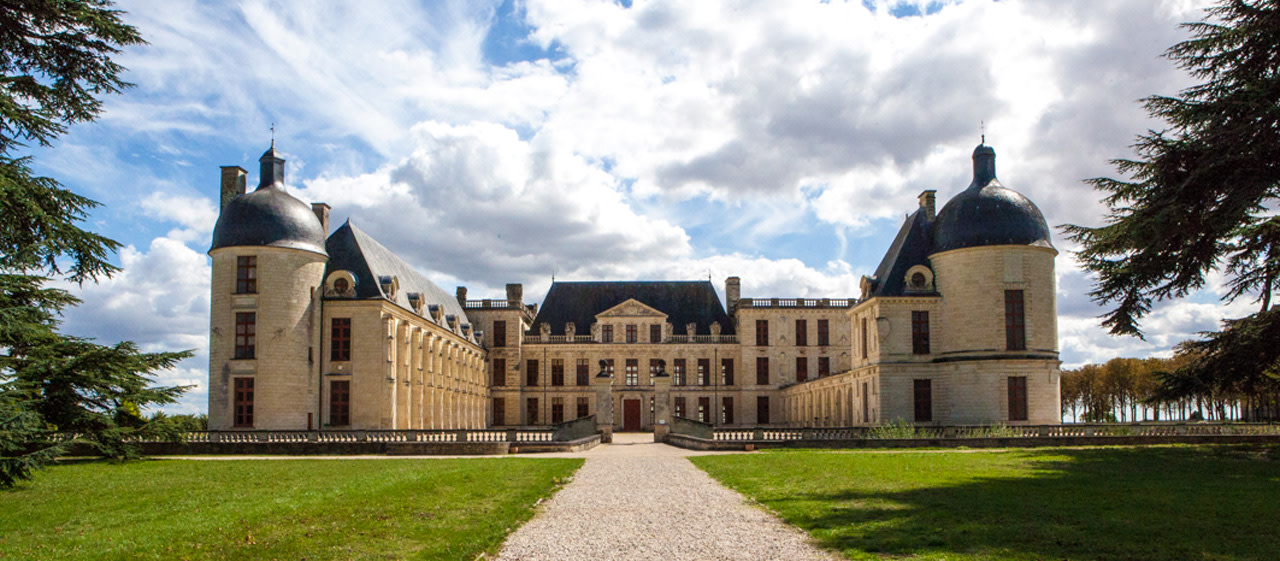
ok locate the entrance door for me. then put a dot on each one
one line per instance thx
(630, 414)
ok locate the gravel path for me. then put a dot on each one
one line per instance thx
(633, 505)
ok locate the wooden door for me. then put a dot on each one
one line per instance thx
(631, 415)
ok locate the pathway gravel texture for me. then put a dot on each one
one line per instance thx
(646, 501)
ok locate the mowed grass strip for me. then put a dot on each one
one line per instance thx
(275, 509)
(1166, 503)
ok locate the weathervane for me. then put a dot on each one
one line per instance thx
(984, 132)
(273, 134)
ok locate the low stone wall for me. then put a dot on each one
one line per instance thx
(357, 448)
(695, 443)
(578, 445)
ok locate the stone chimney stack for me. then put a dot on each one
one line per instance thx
(732, 293)
(233, 178)
(515, 295)
(462, 296)
(928, 203)
(322, 212)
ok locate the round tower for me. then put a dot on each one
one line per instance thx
(268, 259)
(993, 261)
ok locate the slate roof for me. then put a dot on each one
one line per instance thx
(988, 213)
(683, 301)
(268, 217)
(352, 250)
(911, 247)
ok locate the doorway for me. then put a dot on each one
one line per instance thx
(630, 414)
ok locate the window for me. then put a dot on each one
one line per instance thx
(679, 407)
(704, 364)
(824, 335)
(704, 407)
(246, 275)
(653, 369)
(924, 400)
(762, 371)
(531, 372)
(1015, 327)
(584, 373)
(499, 372)
(802, 368)
(631, 333)
(606, 334)
(557, 372)
(584, 407)
(802, 333)
(499, 411)
(762, 333)
(920, 333)
(917, 280)
(340, 340)
(677, 371)
(608, 367)
(824, 366)
(1017, 398)
(531, 410)
(499, 333)
(340, 285)
(339, 403)
(557, 410)
(726, 371)
(633, 372)
(246, 329)
(655, 333)
(866, 404)
(243, 410)
(762, 410)
(726, 410)
(864, 338)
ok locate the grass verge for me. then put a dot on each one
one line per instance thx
(274, 509)
(1185, 503)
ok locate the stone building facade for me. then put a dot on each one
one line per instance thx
(958, 325)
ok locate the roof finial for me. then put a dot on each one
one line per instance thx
(273, 134)
(984, 132)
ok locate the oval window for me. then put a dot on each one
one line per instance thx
(341, 285)
(917, 280)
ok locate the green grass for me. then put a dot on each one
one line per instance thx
(274, 509)
(1168, 503)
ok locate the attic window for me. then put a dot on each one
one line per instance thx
(341, 285)
(917, 280)
(390, 285)
(415, 301)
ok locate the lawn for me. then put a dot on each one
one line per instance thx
(274, 509)
(1166, 503)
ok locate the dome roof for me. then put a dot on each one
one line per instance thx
(269, 216)
(988, 213)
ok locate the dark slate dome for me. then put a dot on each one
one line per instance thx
(269, 216)
(987, 213)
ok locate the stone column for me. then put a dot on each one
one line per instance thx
(661, 403)
(603, 383)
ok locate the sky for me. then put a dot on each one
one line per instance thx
(516, 141)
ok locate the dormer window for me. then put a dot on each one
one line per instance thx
(390, 285)
(341, 285)
(919, 279)
(415, 302)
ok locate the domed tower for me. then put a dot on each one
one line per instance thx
(993, 262)
(268, 258)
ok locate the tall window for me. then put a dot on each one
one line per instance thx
(632, 335)
(920, 333)
(824, 366)
(531, 411)
(246, 275)
(802, 332)
(762, 371)
(584, 407)
(726, 371)
(677, 371)
(557, 371)
(499, 372)
(606, 334)
(704, 365)
(584, 374)
(499, 333)
(608, 367)
(243, 404)
(864, 337)
(653, 369)
(824, 333)
(655, 333)
(1017, 398)
(802, 368)
(246, 335)
(531, 372)
(866, 404)
(499, 411)
(726, 410)
(762, 410)
(557, 410)
(924, 400)
(762, 332)
(704, 409)
(1015, 326)
(679, 407)
(340, 339)
(340, 403)
(633, 372)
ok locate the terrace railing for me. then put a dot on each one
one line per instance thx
(883, 432)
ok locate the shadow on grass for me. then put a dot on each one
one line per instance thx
(1095, 504)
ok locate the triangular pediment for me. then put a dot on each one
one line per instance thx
(631, 308)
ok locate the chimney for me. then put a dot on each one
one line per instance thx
(232, 183)
(928, 203)
(322, 212)
(462, 296)
(732, 293)
(515, 295)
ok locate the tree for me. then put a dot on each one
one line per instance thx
(55, 64)
(1202, 192)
